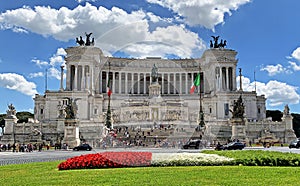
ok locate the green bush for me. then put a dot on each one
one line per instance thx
(259, 157)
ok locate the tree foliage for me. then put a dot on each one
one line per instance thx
(23, 116)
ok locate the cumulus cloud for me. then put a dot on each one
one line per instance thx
(275, 69)
(296, 54)
(53, 66)
(114, 29)
(37, 74)
(277, 93)
(40, 63)
(18, 83)
(294, 66)
(164, 45)
(80, 1)
(204, 13)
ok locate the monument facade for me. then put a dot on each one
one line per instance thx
(152, 91)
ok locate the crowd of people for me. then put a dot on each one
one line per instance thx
(135, 137)
(21, 147)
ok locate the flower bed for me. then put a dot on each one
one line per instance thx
(188, 159)
(141, 159)
(107, 160)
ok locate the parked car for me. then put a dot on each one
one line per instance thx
(234, 146)
(84, 146)
(219, 147)
(295, 144)
(192, 144)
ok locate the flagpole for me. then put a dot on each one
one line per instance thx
(108, 114)
(201, 114)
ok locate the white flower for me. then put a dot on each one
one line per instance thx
(193, 158)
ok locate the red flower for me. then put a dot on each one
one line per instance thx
(107, 160)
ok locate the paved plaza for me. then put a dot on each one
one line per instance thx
(9, 157)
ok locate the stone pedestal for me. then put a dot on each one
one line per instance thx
(238, 129)
(289, 134)
(9, 130)
(71, 136)
(154, 90)
(60, 125)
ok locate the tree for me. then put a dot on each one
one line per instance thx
(296, 124)
(275, 114)
(23, 116)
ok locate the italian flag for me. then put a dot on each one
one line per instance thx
(108, 90)
(195, 84)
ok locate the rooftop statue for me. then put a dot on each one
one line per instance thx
(11, 112)
(80, 41)
(88, 41)
(286, 110)
(216, 43)
(154, 74)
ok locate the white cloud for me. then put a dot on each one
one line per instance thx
(274, 69)
(40, 63)
(277, 93)
(53, 72)
(18, 83)
(54, 64)
(37, 74)
(183, 46)
(296, 54)
(114, 29)
(205, 13)
(294, 66)
(80, 1)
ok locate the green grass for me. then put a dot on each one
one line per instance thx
(47, 174)
(260, 158)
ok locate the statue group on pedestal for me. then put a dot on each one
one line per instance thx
(216, 44)
(11, 112)
(71, 109)
(88, 41)
(238, 108)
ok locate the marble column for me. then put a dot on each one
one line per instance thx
(61, 78)
(132, 83)
(227, 79)
(138, 82)
(75, 77)
(83, 78)
(107, 76)
(162, 83)
(126, 83)
(100, 82)
(169, 83)
(113, 82)
(180, 83)
(174, 83)
(145, 81)
(92, 79)
(186, 84)
(120, 83)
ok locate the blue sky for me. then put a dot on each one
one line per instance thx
(265, 33)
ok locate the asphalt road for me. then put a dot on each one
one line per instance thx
(52, 155)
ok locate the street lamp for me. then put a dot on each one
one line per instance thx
(108, 114)
(201, 113)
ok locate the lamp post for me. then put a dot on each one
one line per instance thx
(108, 114)
(201, 113)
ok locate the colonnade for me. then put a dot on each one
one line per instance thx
(82, 77)
(138, 83)
(225, 79)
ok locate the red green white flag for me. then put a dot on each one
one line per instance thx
(108, 90)
(195, 84)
